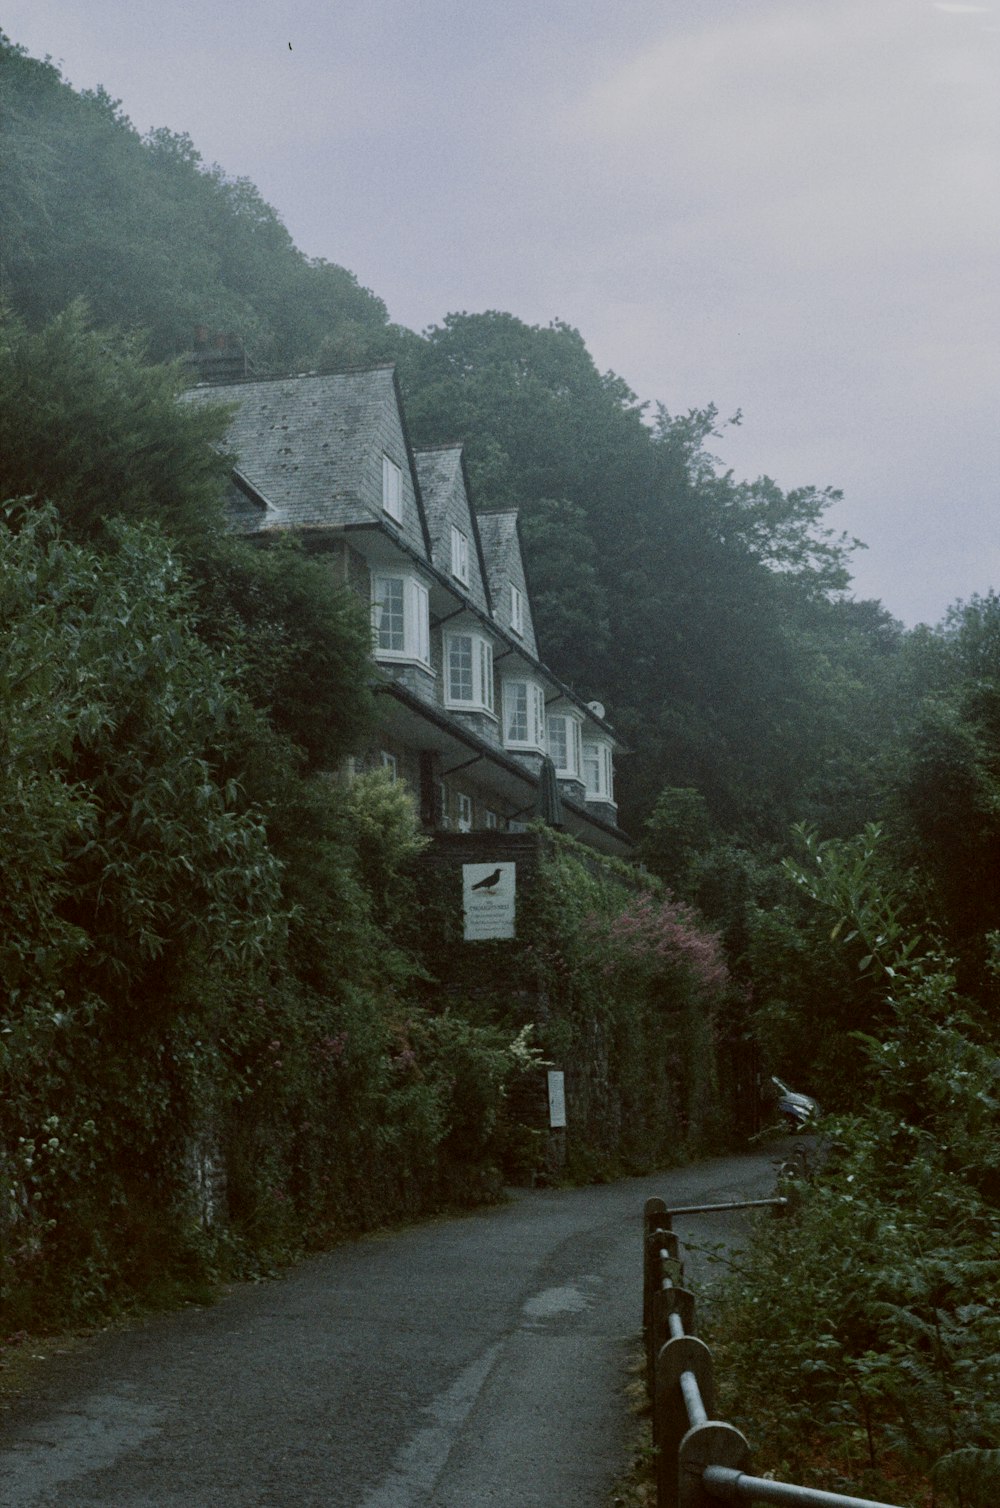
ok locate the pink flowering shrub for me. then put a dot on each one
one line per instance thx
(666, 935)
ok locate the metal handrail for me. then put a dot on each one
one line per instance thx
(699, 1459)
(728, 1486)
(777, 1202)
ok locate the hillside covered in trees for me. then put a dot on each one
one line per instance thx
(190, 915)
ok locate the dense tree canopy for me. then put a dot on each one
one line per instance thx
(153, 239)
(701, 609)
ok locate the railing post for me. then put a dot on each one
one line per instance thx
(667, 1301)
(684, 1355)
(710, 1444)
(657, 1242)
(654, 1213)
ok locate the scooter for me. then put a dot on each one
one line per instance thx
(796, 1110)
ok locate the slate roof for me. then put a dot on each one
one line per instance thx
(444, 490)
(504, 566)
(311, 447)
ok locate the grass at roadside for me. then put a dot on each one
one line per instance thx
(637, 1488)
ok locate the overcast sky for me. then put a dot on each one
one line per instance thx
(786, 207)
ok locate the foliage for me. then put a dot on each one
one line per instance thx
(945, 806)
(387, 839)
(849, 877)
(623, 986)
(153, 239)
(668, 938)
(303, 644)
(87, 424)
(203, 1007)
(676, 833)
(205, 1010)
(874, 1311)
(135, 879)
(729, 669)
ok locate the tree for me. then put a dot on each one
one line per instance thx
(86, 423)
(946, 797)
(676, 833)
(155, 241)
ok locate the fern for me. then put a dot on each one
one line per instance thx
(972, 1475)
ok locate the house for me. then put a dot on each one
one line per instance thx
(468, 713)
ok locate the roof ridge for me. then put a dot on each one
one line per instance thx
(349, 371)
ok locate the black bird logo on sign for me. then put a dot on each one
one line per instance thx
(489, 882)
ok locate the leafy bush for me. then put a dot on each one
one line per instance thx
(863, 1331)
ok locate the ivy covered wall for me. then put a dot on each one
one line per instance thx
(622, 987)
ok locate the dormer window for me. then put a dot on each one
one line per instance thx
(459, 556)
(392, 489)
(565, 745)
(468, 672)
(516, 610)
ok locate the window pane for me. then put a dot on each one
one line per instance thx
(459, 554)
(392, 489)
(516, 694)
(389, 596)
(486, 674)
(538, 704)
(557, 741)
(460, 668)
(421, 624)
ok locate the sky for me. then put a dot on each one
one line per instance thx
(787, 208)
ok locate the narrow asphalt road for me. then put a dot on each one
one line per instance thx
(463, 1362)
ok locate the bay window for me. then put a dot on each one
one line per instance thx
(523, 715)
(598, 771)
(468, 672)
(565, 745)
(400, 618)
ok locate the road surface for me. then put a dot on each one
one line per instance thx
(459, 1363)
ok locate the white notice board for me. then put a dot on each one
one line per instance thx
(557, 1099)
(488, 897)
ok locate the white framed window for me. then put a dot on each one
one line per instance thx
(400, 618)
(459, 555)
(464, 813)
(523, 715)
(443, 804)
(389, 762)
(392, 489)
(516, 610)
(490, 820)
(598, 770)
(468, 662)
(565, 744)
